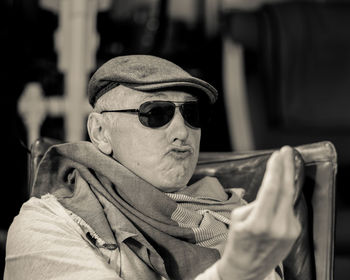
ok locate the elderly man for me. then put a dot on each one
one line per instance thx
(121, 207)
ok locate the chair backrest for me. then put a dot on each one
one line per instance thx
(313, 253)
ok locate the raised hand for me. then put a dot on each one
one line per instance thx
(263, 232)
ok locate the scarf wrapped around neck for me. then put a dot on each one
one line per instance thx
(182, 231)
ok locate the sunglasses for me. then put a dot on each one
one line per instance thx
(156, 114)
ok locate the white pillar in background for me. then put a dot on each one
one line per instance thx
(235, 96)
(236, 101)
(76, 42)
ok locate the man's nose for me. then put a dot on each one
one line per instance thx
(177, 130)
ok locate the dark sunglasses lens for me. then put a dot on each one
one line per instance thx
(191, 114)
(156, 114)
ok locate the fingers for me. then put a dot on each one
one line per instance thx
(286, 222)
(241, 213)
(268, 194)
(288, 183)
(275, 197)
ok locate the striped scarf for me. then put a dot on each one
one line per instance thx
(206, 210)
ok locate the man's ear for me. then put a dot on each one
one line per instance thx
(98, 133)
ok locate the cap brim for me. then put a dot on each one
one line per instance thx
(211, 93)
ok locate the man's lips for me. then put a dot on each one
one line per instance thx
(180, 152)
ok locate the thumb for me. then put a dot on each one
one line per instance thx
(241, 213)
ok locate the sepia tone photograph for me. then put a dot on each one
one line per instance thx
(175, 139)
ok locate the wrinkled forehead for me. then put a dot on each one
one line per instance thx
(122, 97)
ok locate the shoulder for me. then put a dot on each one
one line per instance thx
(38, 212)
(46, 243)
(40, 220)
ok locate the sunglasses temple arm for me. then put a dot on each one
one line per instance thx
(121, 111)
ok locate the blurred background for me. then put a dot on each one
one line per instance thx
(282, 69)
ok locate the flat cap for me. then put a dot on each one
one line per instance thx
(144, 73)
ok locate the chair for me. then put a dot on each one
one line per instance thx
(312, 254)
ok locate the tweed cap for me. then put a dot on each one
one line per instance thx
(145, 73)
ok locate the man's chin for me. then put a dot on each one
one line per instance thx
(171, 189)
(172, 185)
(168, 177)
